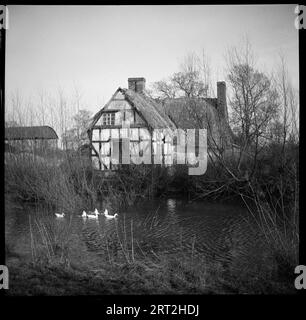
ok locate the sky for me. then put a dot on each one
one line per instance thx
(96, 48)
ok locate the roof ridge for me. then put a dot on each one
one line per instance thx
(30, 132)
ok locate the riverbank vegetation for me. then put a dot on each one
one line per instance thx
(261, 168)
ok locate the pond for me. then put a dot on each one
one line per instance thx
(218, 232)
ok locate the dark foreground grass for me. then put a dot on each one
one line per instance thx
(167, 274)
(35, 280)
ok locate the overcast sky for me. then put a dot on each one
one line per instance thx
(96, 48)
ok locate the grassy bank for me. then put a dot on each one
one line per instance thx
(163, 275)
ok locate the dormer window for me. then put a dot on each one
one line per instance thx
(108, 119)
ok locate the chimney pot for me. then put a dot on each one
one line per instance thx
(221, 98)
(137, 84)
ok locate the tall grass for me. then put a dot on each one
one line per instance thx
(31, 181)
(70, 183)
(279, 230)
(50, 242)
(66, 186)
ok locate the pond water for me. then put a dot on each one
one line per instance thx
(216, 232)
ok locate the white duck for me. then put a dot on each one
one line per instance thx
(108, 216)
(92, 215)
(60, 215)
(97, 212)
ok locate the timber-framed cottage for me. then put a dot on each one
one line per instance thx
(149, 125)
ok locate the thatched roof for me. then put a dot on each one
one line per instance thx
(196, 113)
(149, 109)
(30, 133)
(191, 113)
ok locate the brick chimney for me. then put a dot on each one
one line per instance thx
(221, 99)
(137, 84)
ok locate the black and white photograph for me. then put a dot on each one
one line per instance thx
(151, 150)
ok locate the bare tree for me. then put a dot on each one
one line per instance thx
(62, 107)
(286, 127)
(76, 135)
(193, 79)
(254, 101)
(205, 70)
(165, 89)
(42, 108)
(16, 107)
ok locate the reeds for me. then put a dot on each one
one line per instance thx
(70, 183)
(49, 242)
(279, 230)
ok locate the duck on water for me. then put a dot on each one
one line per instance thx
(60, 215)
(108, 216)
(96, 213)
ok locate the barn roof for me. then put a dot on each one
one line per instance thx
(149, 109)
(30, 133)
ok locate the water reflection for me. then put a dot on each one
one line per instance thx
(171, 205)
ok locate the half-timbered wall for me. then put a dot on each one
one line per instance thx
(108, 132)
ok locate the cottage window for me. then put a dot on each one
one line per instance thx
(108, 119)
